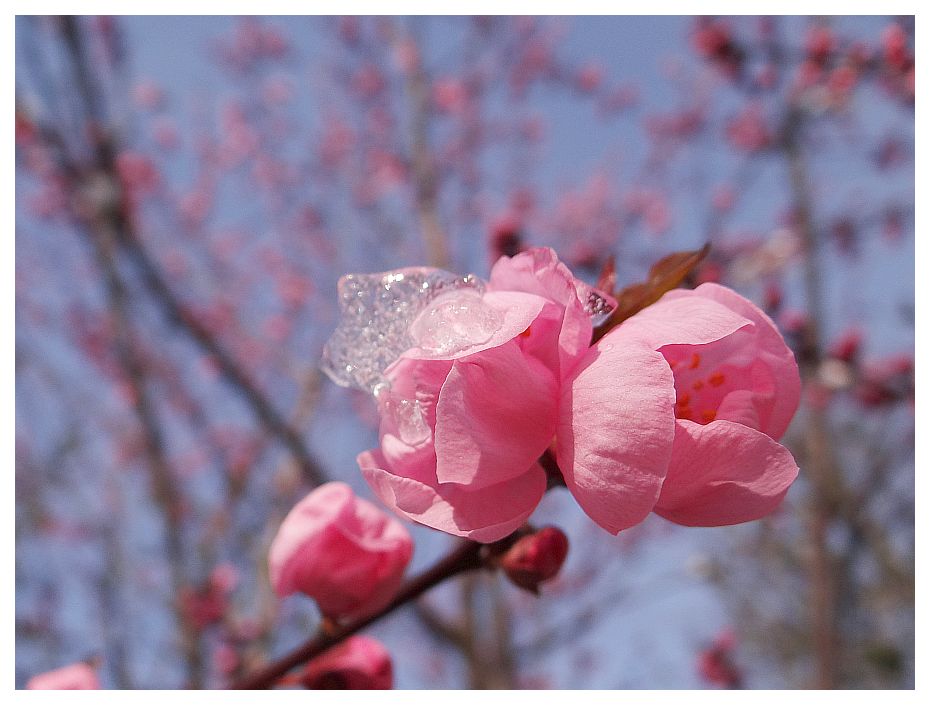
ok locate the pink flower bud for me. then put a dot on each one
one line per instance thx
(77, 676)
(340, 550)
(820, 44)
(773, 298)
(590, 77)
(848, 345)
(535, 558)
(506, 239)
(715, 663)
(358, 663)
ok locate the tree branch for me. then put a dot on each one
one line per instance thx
(466, 557)
(126, 237)
(425, 178)
(822, 469)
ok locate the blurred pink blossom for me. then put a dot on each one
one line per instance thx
(77, 676)
(148, 94)
(749, 131)
(358, 663)
(715, 663)
(450, 96)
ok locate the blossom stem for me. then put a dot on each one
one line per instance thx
(468, 555)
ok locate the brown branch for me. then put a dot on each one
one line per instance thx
(466, 557)
(425, 178)
(235, 376)
(443, 628)
(126, 237)
(822, 469)
(164, 488)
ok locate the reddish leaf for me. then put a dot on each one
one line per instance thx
(607, 279)
(665, 275)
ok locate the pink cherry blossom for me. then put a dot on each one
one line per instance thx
(77, 676)
(358, 663)
(465, 459)
(737, 387)
(340, 550)
(487, 410)
(678, 410)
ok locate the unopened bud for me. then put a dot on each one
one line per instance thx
(535, 558)
(506, 238)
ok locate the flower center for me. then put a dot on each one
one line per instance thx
(702, 381)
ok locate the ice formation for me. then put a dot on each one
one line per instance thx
(376, 313)
(455, 321)
(381, 318)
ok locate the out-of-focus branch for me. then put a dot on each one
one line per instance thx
(115, 622)
(445, 629)
(489, 661)
(821, 469)
(126, 237)
(234, 375)
(164, 487)
(425, 178)
(503, 670)
(486, 642)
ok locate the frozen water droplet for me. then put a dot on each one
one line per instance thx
(409, 418)
(454, 322)
(598, 305)
(376, 313)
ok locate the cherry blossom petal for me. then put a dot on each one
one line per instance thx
(77, 676)
(724, 473)
(616, 427)
(771, 348)
(484, 515)
(539, 271)
(496, 415)
(688, 320)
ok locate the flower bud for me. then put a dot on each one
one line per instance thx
(342, 551)
(358, 663)
(716, 664)
(535, 558)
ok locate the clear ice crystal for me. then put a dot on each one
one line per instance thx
(598, 305)
(409, 418)
(376, 313)
(454, 322)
